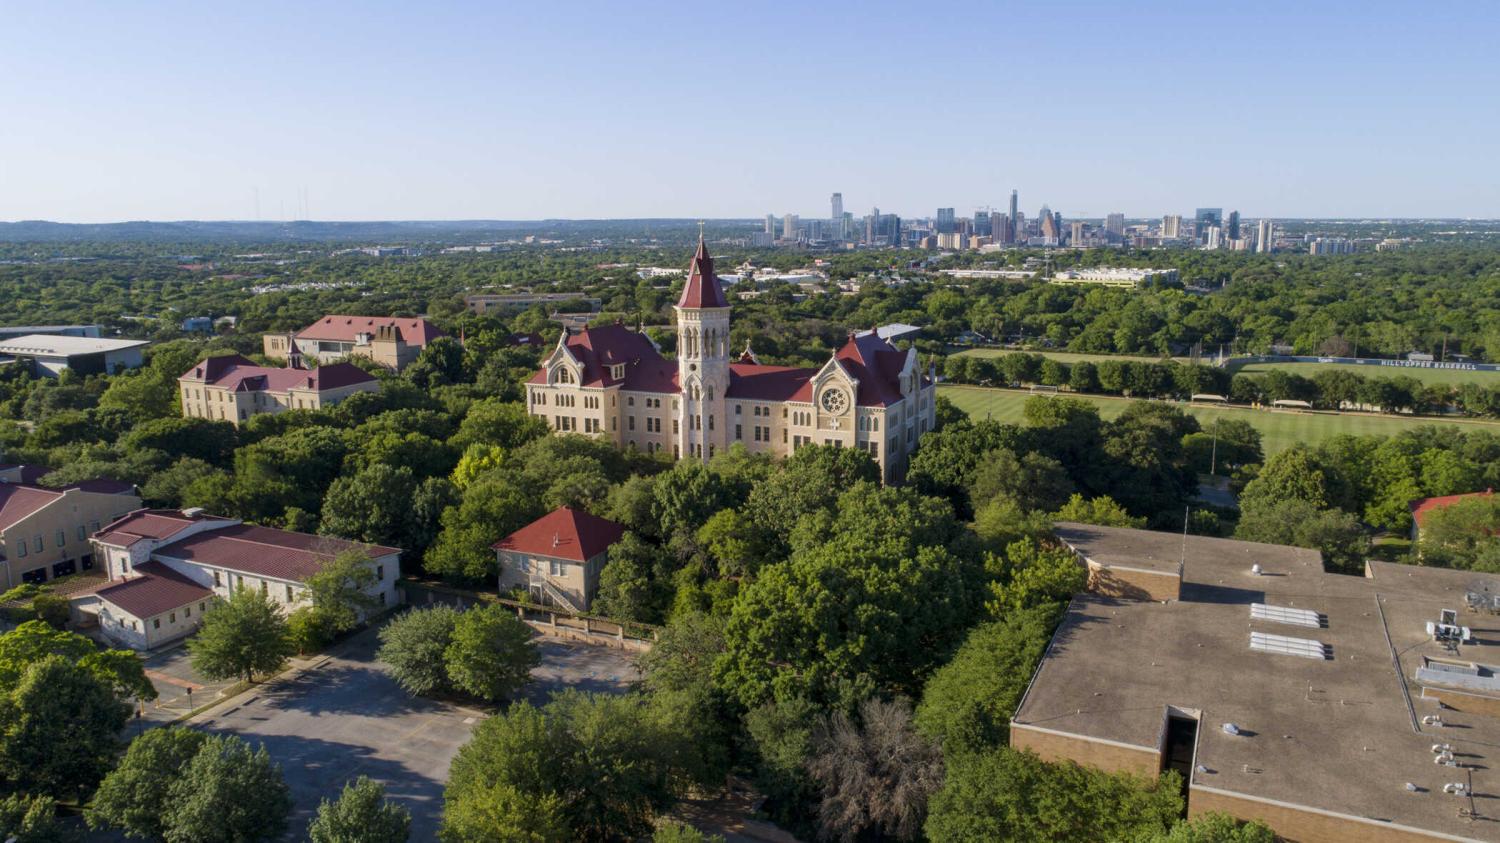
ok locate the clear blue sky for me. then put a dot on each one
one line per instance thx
(184, 110)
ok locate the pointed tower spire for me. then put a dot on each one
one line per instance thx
(702, 288)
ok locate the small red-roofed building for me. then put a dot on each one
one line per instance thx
(557, 558)
(391, 341)
(1422, 507)
(233, 388)
(166, 567)
(612, 382)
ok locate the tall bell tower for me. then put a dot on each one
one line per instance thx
(702, 359)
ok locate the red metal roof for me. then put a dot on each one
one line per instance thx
(564, 533)
(17, 502)
(241, 375)
(264, 552)
(1422, 506)
(156, 524)
(702, 288)
(418, 332)
(154, 589)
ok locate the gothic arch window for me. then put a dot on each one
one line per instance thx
(562, 375)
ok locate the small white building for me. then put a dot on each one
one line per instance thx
(166, 567)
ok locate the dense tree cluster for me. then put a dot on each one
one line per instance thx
(484, 652)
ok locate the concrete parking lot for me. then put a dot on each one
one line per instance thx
(344, 717)
(179, 689)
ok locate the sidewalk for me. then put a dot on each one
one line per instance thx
(180, 689)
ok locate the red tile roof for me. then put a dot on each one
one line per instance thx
(335, 328)
(238, 374)
(564, 533)
(1422, 506)
(754, 382)
(154, 589)
(264, 552)
(17, 502)
(144, 524)
(605, 346)
(702, 288)
(877, 365)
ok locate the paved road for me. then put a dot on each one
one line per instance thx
(346, 717)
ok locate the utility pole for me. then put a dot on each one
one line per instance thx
(1213, 460)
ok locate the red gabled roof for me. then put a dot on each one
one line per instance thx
(265, 552)
(1422, 506)
(17, 502)
(876, 364)
(418, 332)
(154, 589)
(150, 524)
(702, 288)
(237, 374)
(564, 533)
(605, 346)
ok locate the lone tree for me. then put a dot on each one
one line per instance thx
(242, 636)
(361, 814)
(340, 591)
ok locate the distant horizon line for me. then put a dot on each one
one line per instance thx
(690, 220)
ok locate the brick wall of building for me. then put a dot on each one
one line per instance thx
(1114, 758)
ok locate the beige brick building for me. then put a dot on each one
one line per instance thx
(44, 533)
(612, 382)
(233, 388)
(388, 340)
(558, 557)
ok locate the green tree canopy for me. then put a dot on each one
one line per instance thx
(240, 637)
(490, 654)
(208, 803)
(361, 814)
(133, 797)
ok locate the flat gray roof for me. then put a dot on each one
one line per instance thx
(51, 345)
(1150, 550)
(1342, 734)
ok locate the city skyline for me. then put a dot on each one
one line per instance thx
(597, 111)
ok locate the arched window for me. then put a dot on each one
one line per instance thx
(562, 375)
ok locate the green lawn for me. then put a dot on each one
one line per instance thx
(1278, 430)
(1426, 376)
(1069, 357)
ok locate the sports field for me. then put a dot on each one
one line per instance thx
(1278, 430)
(1426, 376)
(1068, 357)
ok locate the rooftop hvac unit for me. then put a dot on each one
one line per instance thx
(1456, 788)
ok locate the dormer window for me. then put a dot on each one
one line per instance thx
(617, 371)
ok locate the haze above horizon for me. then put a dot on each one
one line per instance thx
(384, 111)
